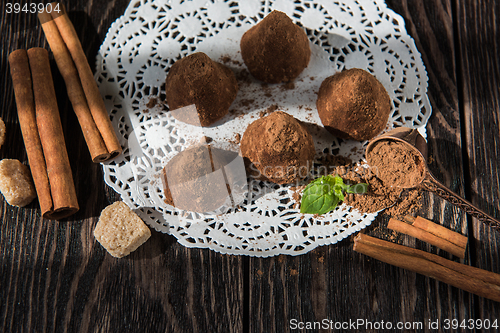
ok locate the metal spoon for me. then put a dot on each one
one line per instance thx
(412, 140)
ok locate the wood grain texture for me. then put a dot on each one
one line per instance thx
(339, 285)
(54, 277)
(479, 47)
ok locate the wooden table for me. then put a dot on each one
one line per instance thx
(55, 277)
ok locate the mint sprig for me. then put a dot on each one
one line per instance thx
(323, 194)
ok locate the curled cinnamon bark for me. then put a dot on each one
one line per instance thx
(471, 279)
(82, 88)
(424, 230)
(42, 132)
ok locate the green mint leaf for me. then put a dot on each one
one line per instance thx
(339, 191)
(316, 203)
(338, 180)
(325, 183)
(318, 197)
(322, 195)
(316, 189)
(357, 188)
(318, 181)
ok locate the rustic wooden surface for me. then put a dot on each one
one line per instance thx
(54, 277)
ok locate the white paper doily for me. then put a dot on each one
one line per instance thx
(132, 65)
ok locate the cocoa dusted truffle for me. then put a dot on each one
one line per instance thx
(353, 104)
(278, 148)
(209, 85)
(203, 178)
(275, 50)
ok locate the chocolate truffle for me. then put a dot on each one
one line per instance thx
(209, 85)
(201, 178)
(278, 148)
(275, 50)
(353, 104)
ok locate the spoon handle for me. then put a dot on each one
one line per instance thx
(431, 184)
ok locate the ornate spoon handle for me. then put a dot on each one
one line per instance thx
(431, 184)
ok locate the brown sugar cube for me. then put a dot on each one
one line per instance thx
(16, 184)
(120, 231)
(2, 132)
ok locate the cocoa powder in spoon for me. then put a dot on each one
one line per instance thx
(395, 164)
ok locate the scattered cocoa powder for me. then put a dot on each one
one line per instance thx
(288, 86)
(225, 59)
(297, 195)
(246, 102)
(237, 138)
(327, 164)
(152, 103)
(243, 77)
(269, 110)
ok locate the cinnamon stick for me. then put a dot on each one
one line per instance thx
(93, 97)
(424, 235)
(42, 132)
(440, 231)
(23, 91)
(471, 279)
(93, 138)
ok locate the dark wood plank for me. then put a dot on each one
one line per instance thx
(479, 41)
(55, 277)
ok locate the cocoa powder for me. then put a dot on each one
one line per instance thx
(395, 201)
(268, 111)
(152, 103)
(395, 164)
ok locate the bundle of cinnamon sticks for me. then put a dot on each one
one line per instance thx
(42, 132)
(39, 115)
(471, 279)
(431, 233)
(81, 86)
